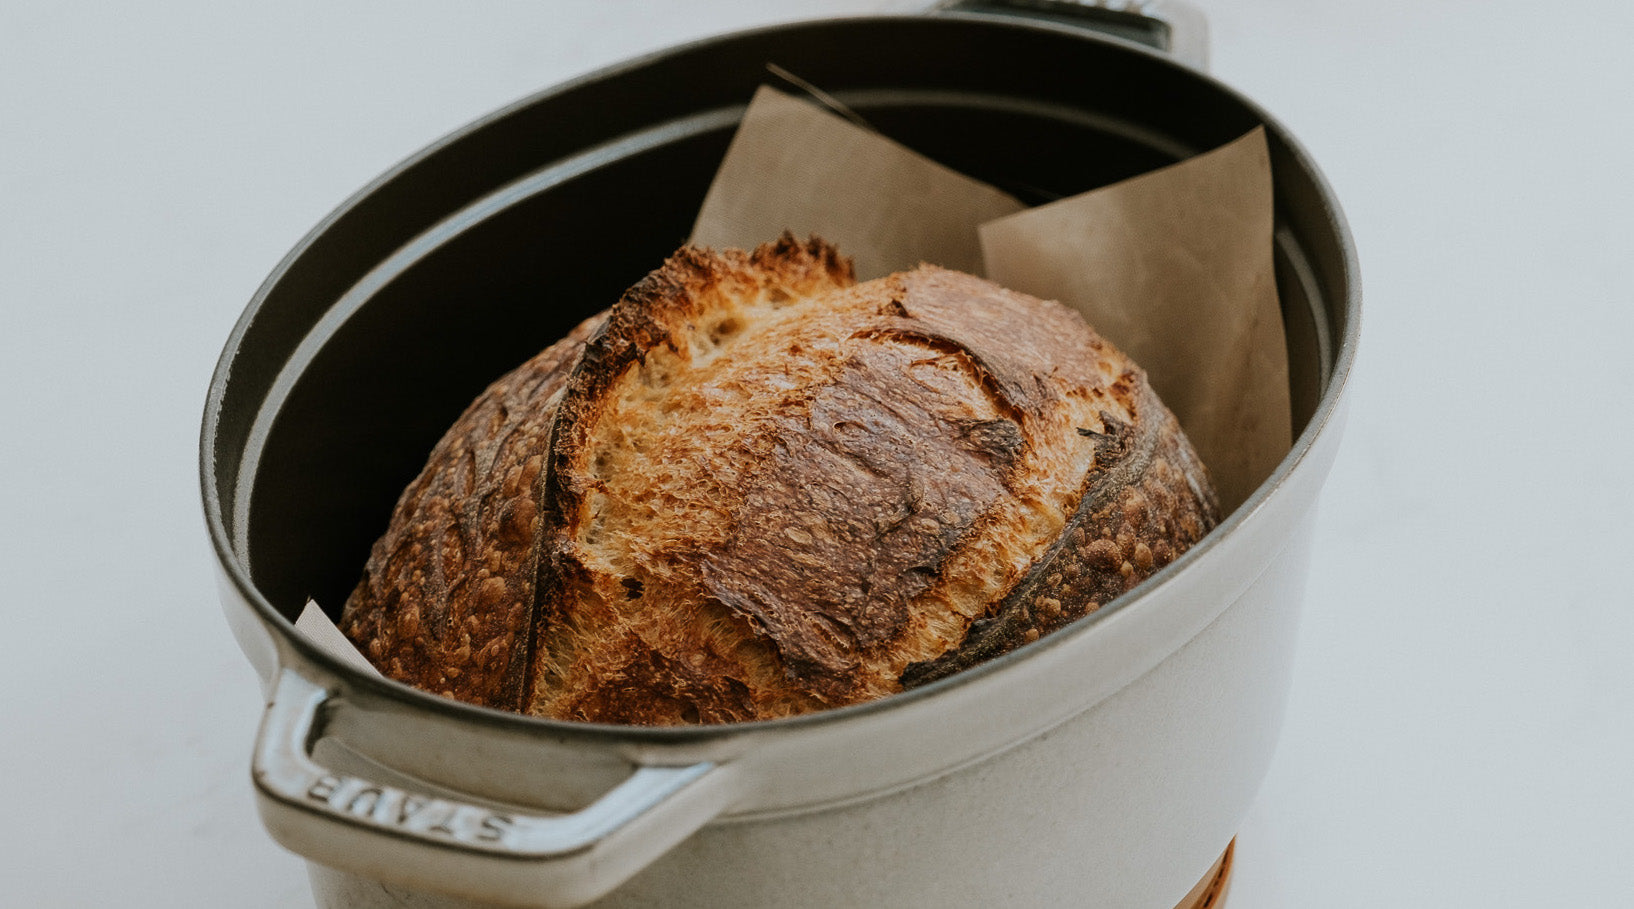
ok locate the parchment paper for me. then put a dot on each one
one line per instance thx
(794, 166)
(1173, 266)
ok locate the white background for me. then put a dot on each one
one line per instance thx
(1459, 732)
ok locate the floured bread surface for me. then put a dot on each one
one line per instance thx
(753, 489)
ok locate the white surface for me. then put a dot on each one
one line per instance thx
(1460, 730)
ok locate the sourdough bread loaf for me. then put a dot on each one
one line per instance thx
(753, 488)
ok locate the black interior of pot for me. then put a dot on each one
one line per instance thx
(493, 243)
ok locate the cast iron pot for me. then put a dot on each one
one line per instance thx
(1106, 765)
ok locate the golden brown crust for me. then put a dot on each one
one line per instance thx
(581, 646)
(448, 592)
(1142, 506)
(753, 490)
(866, 492)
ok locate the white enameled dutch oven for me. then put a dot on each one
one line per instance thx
(1106, 765)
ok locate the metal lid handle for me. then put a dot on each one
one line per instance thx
(1175, 26)
(437, 843)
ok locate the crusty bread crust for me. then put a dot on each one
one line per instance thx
(752, 489)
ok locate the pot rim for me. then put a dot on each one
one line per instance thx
(661, 737)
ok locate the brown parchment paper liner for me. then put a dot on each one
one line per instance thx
(796, 167)
(1173, 266)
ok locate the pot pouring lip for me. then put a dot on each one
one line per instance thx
(291, 643)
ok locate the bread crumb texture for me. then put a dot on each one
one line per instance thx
(754, 488)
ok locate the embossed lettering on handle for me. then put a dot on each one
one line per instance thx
(350, 822)
(392, 807)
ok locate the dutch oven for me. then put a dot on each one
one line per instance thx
(1106, 765)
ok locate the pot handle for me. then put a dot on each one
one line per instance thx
(1175, 26)
(476, 851)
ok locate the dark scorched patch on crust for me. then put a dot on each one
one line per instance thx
(861, 501)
